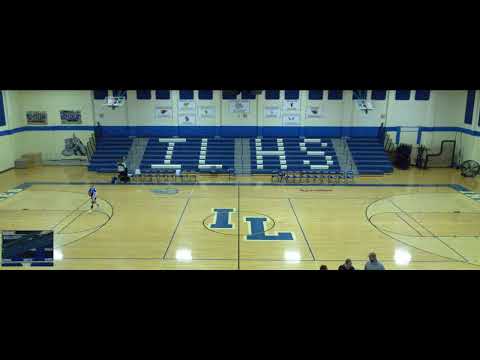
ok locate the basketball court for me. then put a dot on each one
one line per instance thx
(239, 179)
(412, 220)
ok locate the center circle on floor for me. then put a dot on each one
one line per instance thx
(269, 224)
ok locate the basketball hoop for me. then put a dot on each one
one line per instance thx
(364, 105)
(114, 101)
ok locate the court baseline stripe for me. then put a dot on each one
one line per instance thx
(452, 186)
(270, 260)
(176, 227)
(303, 232)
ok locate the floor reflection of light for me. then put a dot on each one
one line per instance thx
(57, 254)
(402, 257)
(292, 256)
(184, 255)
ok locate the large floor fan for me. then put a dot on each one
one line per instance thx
(470, 168)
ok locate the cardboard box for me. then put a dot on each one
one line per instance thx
(23, 163)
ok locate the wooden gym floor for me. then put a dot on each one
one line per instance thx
(412, 219)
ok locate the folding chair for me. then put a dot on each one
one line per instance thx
(332, 177)
(147, 176)
(309, 177)
(136, 177)
(349, 177)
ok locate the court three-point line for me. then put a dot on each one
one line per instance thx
(70, 214)
(429, 231)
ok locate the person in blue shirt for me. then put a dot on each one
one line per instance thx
(373, 263)
(92, 193)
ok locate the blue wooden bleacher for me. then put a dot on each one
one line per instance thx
(267, 155)
(369, 156)
(108, 151)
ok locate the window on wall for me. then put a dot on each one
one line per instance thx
(229, 94)
(292, 94)
(186, 94)
(402, 95)
(119, 93)
(335, 94)
(248, 95)
(469, 107)
(379, 94)
(205, 94)
(100, 94)
(315, 95)
(2, 111)
(272, 94)
(144, 94)
(162, 94)
(359, 95)
(422, 95)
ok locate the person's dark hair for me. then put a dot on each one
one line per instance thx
(323, 267)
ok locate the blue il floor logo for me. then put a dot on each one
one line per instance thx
(256, 230)
(257, 226)
(223, 219)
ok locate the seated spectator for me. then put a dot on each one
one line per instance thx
(347, 265)
(323, 267)
(373, 263)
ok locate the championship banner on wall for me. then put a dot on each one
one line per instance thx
(314, 112)
(36, 117)
(291, 120)
(291, 105)
(239, 106)
(186, 106)
(271, 112)
(71, 116)
(163, 113)
(186, 119)
(207, 112)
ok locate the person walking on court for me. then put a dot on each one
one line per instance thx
(347, 265)
(373, 263)
(92, 193)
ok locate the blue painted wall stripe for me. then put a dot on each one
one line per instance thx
(419, 136)
(241, 131)
(144, 94)
(379, 94)
(162, 94)
(205, 94)
(469, 107)
(186, 94)
(100, 94)
(272, 94)
(2, 111)
(402, 95)
(422, 95)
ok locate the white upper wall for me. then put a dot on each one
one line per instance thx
(445, 108)
(53, 101)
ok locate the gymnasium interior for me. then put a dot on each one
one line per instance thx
(239, 179)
